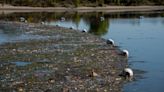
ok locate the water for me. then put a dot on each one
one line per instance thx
(139, 32)
(13, 34)
(9, 33)
(21, 63)
(145, 42)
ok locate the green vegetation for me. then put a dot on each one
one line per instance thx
(77, 3)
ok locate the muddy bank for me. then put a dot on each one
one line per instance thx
(61, 60)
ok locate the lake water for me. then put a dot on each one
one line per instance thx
(142, 33)
(145, 42)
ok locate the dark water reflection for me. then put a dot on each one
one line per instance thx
(90, 21)
(142, 33)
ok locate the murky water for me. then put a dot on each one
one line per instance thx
(21, 63)
(13, 34)
(139, 32)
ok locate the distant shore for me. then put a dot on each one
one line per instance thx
(81, 9)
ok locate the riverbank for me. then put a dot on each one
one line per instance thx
(55, 59)
(80, 9)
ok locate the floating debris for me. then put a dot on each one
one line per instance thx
(125, 53)
(128, 72)
(84, 30)
(110, 41)
(94, 74)
(61, 60)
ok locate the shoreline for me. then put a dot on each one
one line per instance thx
(81, 9)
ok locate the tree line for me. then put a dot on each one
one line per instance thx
(77, 3)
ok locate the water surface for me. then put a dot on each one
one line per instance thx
(139, 32)
(21, 63)
(145, 42)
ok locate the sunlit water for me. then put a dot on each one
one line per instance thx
(140, 33)
(145, 42)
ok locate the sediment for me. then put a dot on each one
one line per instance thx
(56, 59)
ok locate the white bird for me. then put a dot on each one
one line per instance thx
(125, 53)
(128, 73)
(84, 30)
(110, 41)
